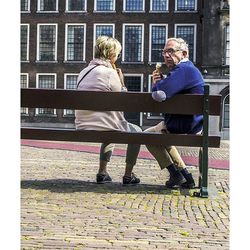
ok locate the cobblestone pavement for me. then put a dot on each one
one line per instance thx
(63, 208)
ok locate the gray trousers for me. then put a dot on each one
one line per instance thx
(132, 149)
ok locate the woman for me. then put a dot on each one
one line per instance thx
(100, 75)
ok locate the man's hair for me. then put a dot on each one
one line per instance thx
(106, 47)
(182, 45)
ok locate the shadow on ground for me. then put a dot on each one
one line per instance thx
(70, 186)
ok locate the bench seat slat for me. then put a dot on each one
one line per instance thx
(117, 137)
(116, 101)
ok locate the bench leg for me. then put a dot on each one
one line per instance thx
(200, 167)
(203, 175)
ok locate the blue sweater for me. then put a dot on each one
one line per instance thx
(184, 78)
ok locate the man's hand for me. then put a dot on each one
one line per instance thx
(157, 76)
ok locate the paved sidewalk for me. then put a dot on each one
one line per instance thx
(63, 208)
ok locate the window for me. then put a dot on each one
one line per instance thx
(158, 37)
(47, 42)
(134, 5)
(133, 42)
(70, 82)
(24, 84)
(158, 5)
(103, 30)
(134, 82)
(48, 5)
(153, 115)
(227, 45)
(46, 81)
(226, 108)
(25, 5)
(104, 5)
(75, 42)
(76, 5)
(188, 33)
(186, 5)
(24, 42)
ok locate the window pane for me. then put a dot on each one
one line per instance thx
(76, 5)
(187, 33)
(24, 42)
(133, 83)
(47, 43)
(75, 43)
(134, 5)
(227, 52)
(133, 43)
(153, 115)
(24, 5)
(104, 5)
(104, 30)
(46, 82)
(48, 5)
(158, 39)
(186, 5)
(24, 84)
(24, 81)
(226, 116)
(71, 82)
(159, 5)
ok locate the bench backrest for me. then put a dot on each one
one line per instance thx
(117, 101)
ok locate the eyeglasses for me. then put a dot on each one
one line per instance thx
(169, 51)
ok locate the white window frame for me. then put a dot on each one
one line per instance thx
(150, 41)
(195, 35)
(46, 11)
(223, 113)
(66, 43)
(185, 11)
(26, 11)
(141, 90)
(38, 42)
(148, 114)
(64, 86)
(158, 11)
(26, 112)
(227, 41)
(37, 86)
(76, 11)
(123, 42)
(28, 40)
(94, 33)
(133, 11)
(105, 11)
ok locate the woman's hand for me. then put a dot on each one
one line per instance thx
(120, 74)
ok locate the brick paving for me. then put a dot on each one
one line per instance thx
(63, 208)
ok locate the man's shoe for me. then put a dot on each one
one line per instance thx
(130, 180)
(189, 179)
(176, 177)
(103, 178)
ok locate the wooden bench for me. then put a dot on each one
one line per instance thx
(128, 102)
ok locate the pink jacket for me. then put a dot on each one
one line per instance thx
(101, 78)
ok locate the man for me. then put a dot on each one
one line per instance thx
(183, 78)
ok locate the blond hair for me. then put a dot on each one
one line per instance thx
(107, 47)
